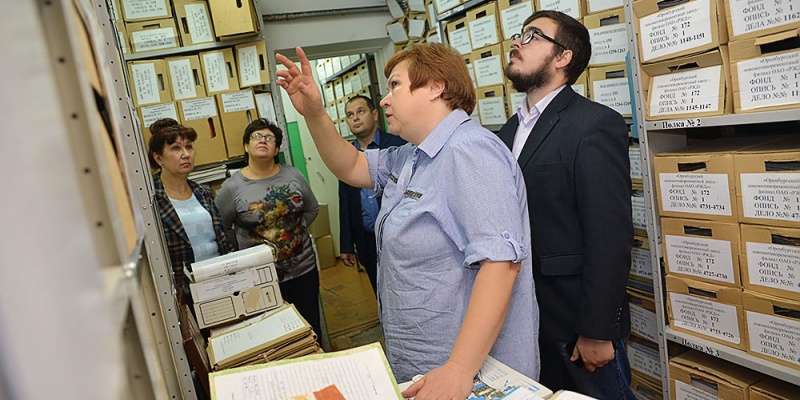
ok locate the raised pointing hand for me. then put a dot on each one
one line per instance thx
(299, 84)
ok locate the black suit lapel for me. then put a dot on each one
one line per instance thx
(544, 125)
(509, 130)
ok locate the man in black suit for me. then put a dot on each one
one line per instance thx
(574, 155)
(358, 208)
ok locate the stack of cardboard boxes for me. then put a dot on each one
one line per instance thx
(342, 78)
(414, 24)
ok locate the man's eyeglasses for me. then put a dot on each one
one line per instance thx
(259, 136)
(527, 36)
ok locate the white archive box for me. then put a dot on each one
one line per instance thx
(227, 285)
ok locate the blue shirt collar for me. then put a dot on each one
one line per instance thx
(376, 140)
(439, 136)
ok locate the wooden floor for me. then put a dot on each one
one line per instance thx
(350, 308)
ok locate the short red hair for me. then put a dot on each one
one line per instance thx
(437, 62)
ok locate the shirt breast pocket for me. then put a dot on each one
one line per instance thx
(408, 202)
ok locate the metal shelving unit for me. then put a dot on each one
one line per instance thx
(763, 117)
(188, 49)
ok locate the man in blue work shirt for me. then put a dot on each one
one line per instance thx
(358, 208)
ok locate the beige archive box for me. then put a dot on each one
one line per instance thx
(514, 99)
(764, 81)
(397, 32)
(772, 389)
(488, 65)
(573, 8)
(694, 375)
(416, 25)
(194, 22)
(751, 18)
(252, 63)
(219, 71)
(201, 115)
(641, 260)
(237, 306)
(444, 5)
(484, 25)
(683, 29)
(644, 359)
(635, 157)
(513, 14)
(322, 224)
(608, 33)
(185, 77)
(230, 284)
(773, 328)
(698, 182)
(691, 86)
(234, 19)
(149, 82)
(638, 210)
(707, 310)
(644, 388)
(707, 251)
(598, 6)
(237, 110)
(644, 322)
(609, 86)
(153, 113)
(122, 36)
(770, 260)
(152, 35)
(457, 32)
(142, 10)
(581, 85)
(768, 182)
(327, 89)
(491, 104)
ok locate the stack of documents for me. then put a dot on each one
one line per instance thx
(276, 335)
(209, 174)
(234, 286)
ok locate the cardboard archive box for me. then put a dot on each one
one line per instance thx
(234, 19)
(597, 6)
(635, 157)
(138, 10)
(491, 105)
(397, 31)
(236, 306)
(194, 22)
(219, 71)
(252, 63)
(770, 260)
(573, 8)
(444, 5)
(644, 322)
(338, 89)
(692, 86)
(694, 375)
(641, 260)
(149, 82)
(638, 210)
(153, 113)
(122, 36)
(707, 251)
(265, 106)
(395, 9)
(201, 115)
(751, 18)
(327, 90)
(325, 252)
(768, 183)
(488, 65)
(609, 86)
(644, 388)
(458, 36)
(707, 310)
(514, 99)
(644, 359)
(417, 25)
(686, 28)
(772, 389)
(512, 14)
(152, 35)
(227, 285)
(608, 33)
(471, 70)
(764, 80)
(484, 25)
(773, 328)
(699, 181)
(322, 224)
(237, 110)
(185, 77)
(581, 85)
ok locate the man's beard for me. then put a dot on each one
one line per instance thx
(537, 79)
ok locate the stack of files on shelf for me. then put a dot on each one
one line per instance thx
(233, 286)
(276, 335)
(210, 174)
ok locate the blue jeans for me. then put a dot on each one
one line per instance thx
(610, 382)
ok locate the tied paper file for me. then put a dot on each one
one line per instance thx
(229, 263)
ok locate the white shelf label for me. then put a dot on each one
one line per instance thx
(773, 265)
(444, 5)
(237, 101)
(613, 93)
(771, 196)
(154, 113)
(202, 108)
(569, 7)
(199, 23)
(600, 5)
(329, 97)
(181, 77)
(215, 71)
(635, 155)
(688, 392)
(492, 111)
(265, 106)
(249, 66)
(695, 193)
(154, 39)
(685, 123)
(756, 15)
(347, 86)
(644, 360)
(511, 18)
(146, 83)
(488, 71)
(338, 87)
(340, 107)
(459, 40)
(483, 31)
(609, 44)
(355, 82)
(639, 211)
(363, 73)
(687, 92)
(644, 322)
(704, 258)
(706, 317)
(641, 264)
(774, 336)
(675, 29)
(145, 9)
(328, 67)
(769, 81)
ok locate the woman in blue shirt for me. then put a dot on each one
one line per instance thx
(454, 275)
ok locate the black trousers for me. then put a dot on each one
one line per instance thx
(368, 258)
(303, 292)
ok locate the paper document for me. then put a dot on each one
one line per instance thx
(229, 263)
(360, 374)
